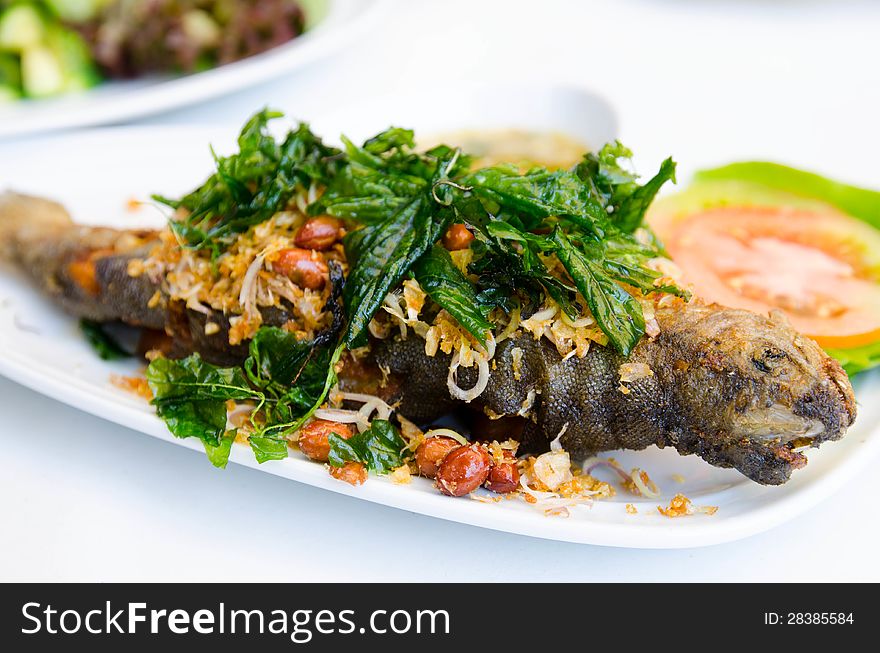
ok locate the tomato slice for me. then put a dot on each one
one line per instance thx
(822, 268)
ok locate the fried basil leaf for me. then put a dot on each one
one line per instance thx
(102, 342)
(380, 448)
(446, 285)
(385, 249)
(190, 395)
(253, 184)
(540, 193)
(617, 312)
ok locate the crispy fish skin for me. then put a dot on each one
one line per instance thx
(737, 389)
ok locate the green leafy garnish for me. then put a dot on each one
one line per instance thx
(393, 190)
(592, 212)
(190, 395)
(538, 194)
(285, 378)
(102, 342)
(380, 448)
(446, 285)
(613, 307)
(403, 200)
(406, 200)
(252, 185)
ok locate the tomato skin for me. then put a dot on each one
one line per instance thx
(820, 267)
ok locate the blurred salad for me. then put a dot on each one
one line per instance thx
(51, 47)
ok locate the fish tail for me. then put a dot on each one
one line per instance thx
(25, 220)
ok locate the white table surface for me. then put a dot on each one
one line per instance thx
(796, 81)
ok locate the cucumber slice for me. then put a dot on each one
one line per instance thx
(76, 11)
(10, 71)
(8, 94)
(21, 27)
(78, 70)
(41, 72)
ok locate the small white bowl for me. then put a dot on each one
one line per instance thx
(576, 112)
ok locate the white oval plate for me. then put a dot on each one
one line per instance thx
(95, 174)
(118, 101)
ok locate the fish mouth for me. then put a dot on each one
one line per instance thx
(770, 443)
(777, 424)
(765, 462)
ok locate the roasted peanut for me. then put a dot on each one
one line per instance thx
(457, 237)
(299, 265)
(351, 472)
(503, 476)
(314, 438)
(319, 233)
(463, 470)
(431, 453)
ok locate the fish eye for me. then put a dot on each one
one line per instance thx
(768, 359)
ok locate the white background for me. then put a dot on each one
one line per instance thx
(795, 81)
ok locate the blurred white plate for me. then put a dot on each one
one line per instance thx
(95, 173)
(118, 101)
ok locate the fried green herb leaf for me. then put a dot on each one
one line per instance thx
(509, 265)
(383, 253)
(446, 285)
(285, 378)
(219, 454)
(190, 395)
(630, 212)
(615, 310)
(616, 189)
(380, 448)
(397, 234)
(102, 342)
(268, 448)
(592, 212)
(293, 376)
(538, 194)
(252, 185)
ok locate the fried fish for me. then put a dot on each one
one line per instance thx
(737, 389)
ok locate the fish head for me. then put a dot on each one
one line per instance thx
(766, 393)
(796, 391)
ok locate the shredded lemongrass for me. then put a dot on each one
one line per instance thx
(248, 296)
(481, 357)
(556, 443)
(448, 433)
(544, 314)
(194, 304)
(512, 325)
(576, 324)
(343, 417)
(482, 383)
(646, 488)
(553, 469)
(383, 408)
